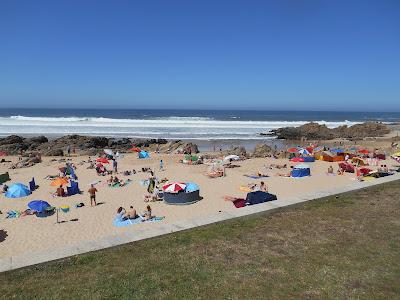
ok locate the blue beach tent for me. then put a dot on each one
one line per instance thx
(300, 170)
(38, 205)
(143, 154)
(17, 190)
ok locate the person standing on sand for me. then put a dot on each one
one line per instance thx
(161, 165)
(115, 166)
(92, 193)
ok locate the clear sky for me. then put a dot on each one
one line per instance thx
(283, 54)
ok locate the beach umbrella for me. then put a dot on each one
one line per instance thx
(292, 150)
(396, 154)
(310, 149)
(304, 151)
(59, 181)
(301, 166)
(337, 150)
(38, 205)
(109, 152)
(103, 160)
(99, 165)
(3, 153)
(17, 190)
(363, 151)
(191, 187)
(135, 149)
(318, 149)
(174, 187)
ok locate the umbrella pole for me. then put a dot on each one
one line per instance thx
(57, 214)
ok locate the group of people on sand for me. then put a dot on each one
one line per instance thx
(132, 214)
(114, 180)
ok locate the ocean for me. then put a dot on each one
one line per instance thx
(198, 125)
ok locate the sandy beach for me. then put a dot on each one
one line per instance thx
(33, 234)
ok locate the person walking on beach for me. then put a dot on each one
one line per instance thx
(92, 193)
(69, 150)
(115, 166)
(161, 165)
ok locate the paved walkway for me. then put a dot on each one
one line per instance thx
(28, 259)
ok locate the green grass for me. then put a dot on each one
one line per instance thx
(333, 248)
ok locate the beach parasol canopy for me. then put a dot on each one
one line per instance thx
(174, 187)
(109, 152)
(292, 150)
(17, 190)
(319, 149)
(2, 153)
(103, 160)
(191, 187)
(135, 149)
(310, 149)
(38, 205)
(337, 150)
(363, 151)
(301, 166)
(59, 181)
(304, 151)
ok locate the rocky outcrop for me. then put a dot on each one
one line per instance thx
(262, 150)
(86, 145)
(238, 150)
(314, 131)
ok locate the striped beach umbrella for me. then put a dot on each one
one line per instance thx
(174, 187)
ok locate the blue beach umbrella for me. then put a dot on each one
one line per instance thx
(337, 150)
(17, 190)
(38, 205)
(191, 187)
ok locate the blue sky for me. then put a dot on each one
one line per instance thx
(283, 54)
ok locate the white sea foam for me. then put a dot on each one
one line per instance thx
(162, 127)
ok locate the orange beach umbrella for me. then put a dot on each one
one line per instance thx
(59, 181)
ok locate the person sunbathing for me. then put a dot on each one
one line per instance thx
(132, 214)
(111, 180)
(60, 192)
(263, 187)
(231, 198)
(121, 214)
(340, 171)
(51, 177)
(147, 215)
(330, 170)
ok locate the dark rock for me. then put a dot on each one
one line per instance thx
(262, 150)
(315, 131)
(12, 139)
(54, 152)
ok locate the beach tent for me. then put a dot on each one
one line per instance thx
(174, 187)
(259, 197)
(301, 170)
(38, 205)
(297, 159)
(230, 158)
(143, 154)
(17, 190)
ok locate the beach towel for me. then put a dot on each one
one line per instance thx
(255, 176)
(138, 220)
(239, 203)
(245, 188)
(119, 185)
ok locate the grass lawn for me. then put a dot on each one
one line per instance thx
(345, 247)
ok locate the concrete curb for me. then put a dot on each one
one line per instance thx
(33, 258)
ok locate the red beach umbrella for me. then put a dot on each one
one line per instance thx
(174, 187)
(3, 153)
(310, 149)
(292, 150)
(363, 151)
(136, 149)
(102, 160)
